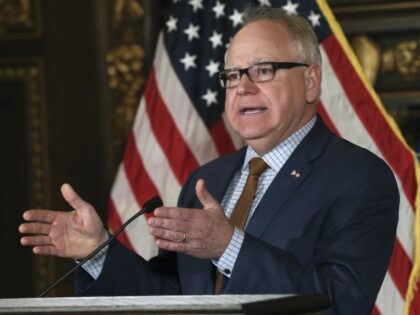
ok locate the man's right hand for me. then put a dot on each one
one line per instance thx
(73, 234)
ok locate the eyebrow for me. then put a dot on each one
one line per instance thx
(229, 67)
(250, 64)
(260, 60)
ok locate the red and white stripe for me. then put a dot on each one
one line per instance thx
(169, 140)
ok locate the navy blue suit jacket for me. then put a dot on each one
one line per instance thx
(330, 230)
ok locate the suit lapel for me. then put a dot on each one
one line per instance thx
(221, 176)
(293, 174)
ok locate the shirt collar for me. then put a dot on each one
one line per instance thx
(277, 156)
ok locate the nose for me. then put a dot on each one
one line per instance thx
(246, 85)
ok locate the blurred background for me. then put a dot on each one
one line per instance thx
(71, 76)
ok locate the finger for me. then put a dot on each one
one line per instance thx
(39, 215)
(168, 224)
(204, 196)
(172, 236)
(35, 240)
(34, 228)
(172, 246)
(175, 213)
(72, 197)
(45, 250)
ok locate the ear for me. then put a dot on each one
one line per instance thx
(312, 83)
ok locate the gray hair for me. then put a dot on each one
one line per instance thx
(303, 38)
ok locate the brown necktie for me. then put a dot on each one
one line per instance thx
(240, 213)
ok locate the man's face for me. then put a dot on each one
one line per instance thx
(266, 113)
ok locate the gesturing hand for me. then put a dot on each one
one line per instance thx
(202, 233)
(73, 234)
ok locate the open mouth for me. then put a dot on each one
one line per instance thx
(252, 110)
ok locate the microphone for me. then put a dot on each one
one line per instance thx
(149, 206)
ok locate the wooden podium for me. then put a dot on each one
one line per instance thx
(193, 304)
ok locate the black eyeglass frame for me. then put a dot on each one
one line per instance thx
(275, 64)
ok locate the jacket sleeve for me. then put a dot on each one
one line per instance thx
(126, 273)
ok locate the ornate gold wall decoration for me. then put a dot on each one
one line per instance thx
(125, 80)
(38, 177)
(124, 65)
(127, 7)
(16, 16)
(403, 59)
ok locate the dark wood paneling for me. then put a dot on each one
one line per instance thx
(75, 106)
(74, 97)
(15, 265)
(67, 38)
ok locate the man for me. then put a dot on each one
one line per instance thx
(322, 219)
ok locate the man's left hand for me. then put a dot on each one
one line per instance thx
(202, 233)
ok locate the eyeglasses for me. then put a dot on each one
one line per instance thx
(261, 72)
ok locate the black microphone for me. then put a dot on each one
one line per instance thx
(149, 206)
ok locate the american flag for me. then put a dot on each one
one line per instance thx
(180, 125)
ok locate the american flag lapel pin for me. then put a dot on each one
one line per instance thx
(295, 173)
